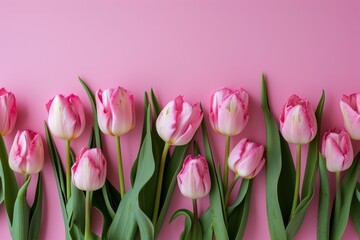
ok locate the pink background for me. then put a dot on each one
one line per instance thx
(190, 48)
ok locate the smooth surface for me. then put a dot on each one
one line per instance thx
(190, 48)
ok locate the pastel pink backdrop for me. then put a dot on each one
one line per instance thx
(190, 48)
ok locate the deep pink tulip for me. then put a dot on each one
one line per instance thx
(8, 112)
(178, 121)
(247, 158)
(27, 153)
(297, 121)
(350, 109)
(337, 150)
(115, 111)
(89, 170)
(66, 116)
(194, 178)
(229, 111)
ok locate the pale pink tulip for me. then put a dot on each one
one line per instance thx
(247, 158)
(27, 153)
(350, 109)
(8, 112)
(297, 121)
(178, 121)
(115, 111)
(66, 116)
(89, 170)
(194, 178)
(229, 111)
(337, 150)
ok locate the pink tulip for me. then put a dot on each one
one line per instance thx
(337, 150)
(297, 121)
(247, 158)
(229, 111)
(89, 170)
(8, 112)
(66, 116)
(194, 178)
(27, 153)
(115, 111)
(178, 121)
(350, 108)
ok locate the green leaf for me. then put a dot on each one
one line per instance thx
(217, 211)
(144, 130)
(59, 177)
(206, 220)
(286, 184)
(239, 211)
(309, 176)
(355, 209)
(36, 211)
(172, 168)
(9, 184)
(347, 190)
(273, 169)
(324, 203)
(20, 223)
(129, 217)
(186, 233)
(1, 185)
(93, 106)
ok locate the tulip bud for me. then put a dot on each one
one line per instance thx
(350, 109)
(8, 112)
(178, 121)
(247, 158)
(66, 116)
(194, 178)
(115, 111)
(89, 170)
(229, 111)
(27, 153)
(297, 121)
(337, 150)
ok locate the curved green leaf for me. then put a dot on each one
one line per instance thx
(347, 190)
(129, 217)
(36, 211)
(309, 176)
(355, 209)
(324, 203)
(20, 223)
(273, 169)
(186, 233)
(239, 211)
(217, 211)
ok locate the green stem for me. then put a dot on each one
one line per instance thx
(68, 171)
(338, 195)
(88, 215)
(120, 166)
(195, 211)
(297, 179)
(232, 185)
(159, 183)
(226, 165)
(26, 177)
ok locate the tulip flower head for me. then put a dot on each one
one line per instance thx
(297, 121)
(178, 121)
(247, 158)
(66, 116)
(194, 178)
(8, 112)
(229, 111)
(350, 109)
(89, 170)
(337, 150)
(115, 111)
(27, 153)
